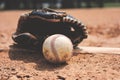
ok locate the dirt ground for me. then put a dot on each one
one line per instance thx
(104, 31)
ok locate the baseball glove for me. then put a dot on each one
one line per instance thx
(35, 26)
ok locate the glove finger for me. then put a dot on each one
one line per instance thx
(25, 39)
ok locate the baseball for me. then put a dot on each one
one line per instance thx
(57, 48)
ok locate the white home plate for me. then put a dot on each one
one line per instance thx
(106, 50)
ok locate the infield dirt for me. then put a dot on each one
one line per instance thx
(104, 31)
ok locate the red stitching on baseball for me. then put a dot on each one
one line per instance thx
(54, 49)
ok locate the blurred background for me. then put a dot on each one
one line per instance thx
(58, 4)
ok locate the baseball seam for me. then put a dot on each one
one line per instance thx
(54, 49)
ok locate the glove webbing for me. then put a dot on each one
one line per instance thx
(78, 27)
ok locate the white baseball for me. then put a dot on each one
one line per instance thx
(57, 48)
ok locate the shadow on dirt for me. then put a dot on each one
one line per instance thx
(29, 55)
